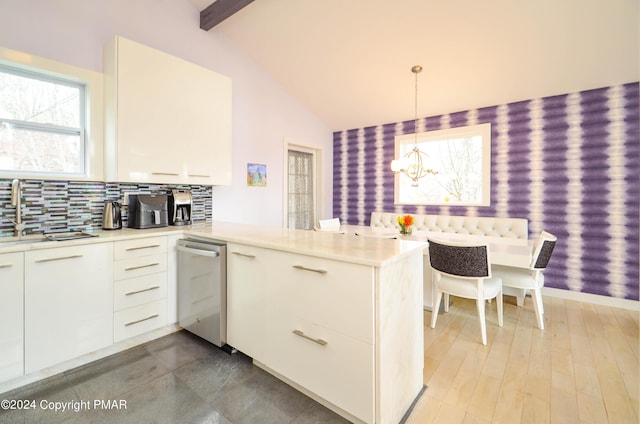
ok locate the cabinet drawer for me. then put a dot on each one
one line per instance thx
(139, 247)
(340, 371)
(139, 319)
(138, 266)
(139, 290)
(333, 294)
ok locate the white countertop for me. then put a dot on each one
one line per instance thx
(340, 246)
(34, 242)
(348, 247)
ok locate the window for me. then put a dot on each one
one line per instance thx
(461, 158)
(301, 193)
(42, 123)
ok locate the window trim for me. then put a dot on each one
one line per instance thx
(401, 182)
(317, 151)
(93, 111)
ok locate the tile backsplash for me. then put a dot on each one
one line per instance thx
(59, 206)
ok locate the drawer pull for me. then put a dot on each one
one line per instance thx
(304, 336)
(131, 268)
(200, 175)
(6, 265)
(304, 268)
(142, 291)
(129, 249)
(244, 255)
(142, 320)
(61, 258)
(171, 174)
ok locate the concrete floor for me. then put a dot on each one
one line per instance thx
(178, 378)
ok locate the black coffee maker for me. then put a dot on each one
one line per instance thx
(180, 206)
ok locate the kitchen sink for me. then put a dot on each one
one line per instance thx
(74, 235)
(20, 242)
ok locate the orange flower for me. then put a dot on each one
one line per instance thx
(408, 220)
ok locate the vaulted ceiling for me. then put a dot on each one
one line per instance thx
(349, 61)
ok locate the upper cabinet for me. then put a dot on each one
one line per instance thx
(166, 120)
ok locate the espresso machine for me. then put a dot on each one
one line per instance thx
(180, 206)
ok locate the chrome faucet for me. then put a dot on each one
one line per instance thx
(16, 202)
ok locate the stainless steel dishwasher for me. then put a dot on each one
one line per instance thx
(202, 289)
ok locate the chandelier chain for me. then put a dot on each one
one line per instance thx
(412, 164)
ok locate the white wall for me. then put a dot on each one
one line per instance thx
(74, 31)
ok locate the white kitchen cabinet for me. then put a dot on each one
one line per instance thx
(139, 287)
(345, 332)
(11, 315)
(68, 298)
(321, 317)
(166, 120)
(172, 278)
(247, 277)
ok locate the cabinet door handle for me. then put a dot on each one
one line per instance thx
(244, 255)
(6, 265)
(171, 174)
(304, 268)
(61, 258)
(142, 320)
(131, 268)
(300, 333)
(200, 175)
(151, 246)
(142, 291)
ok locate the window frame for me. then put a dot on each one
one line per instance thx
(51, 128)
(405, 142)
(92, 134)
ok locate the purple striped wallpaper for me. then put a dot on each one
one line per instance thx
(567, 163)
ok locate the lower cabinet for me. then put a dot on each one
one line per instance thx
(247, 276)
(68, 298)
(172, 278)
(321, 317)
(302, 316)
(11, 315)
(140, 286)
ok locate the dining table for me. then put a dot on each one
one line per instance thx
(502, 251)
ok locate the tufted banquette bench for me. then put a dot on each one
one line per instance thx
(513, 228)
(516, 228)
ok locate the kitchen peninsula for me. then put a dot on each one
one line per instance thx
(337, 316)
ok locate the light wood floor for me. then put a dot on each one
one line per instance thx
(583, 368)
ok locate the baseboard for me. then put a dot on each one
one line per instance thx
(632, 305)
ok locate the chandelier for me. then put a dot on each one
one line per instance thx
(412, 164)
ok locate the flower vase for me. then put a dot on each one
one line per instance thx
(404, 230)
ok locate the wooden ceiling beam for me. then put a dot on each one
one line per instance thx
(220, 10)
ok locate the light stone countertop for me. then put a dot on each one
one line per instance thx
(35, 242)
(341, 246)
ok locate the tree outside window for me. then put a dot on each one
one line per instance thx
(461, 159)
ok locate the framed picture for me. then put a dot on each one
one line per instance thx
(256, 174)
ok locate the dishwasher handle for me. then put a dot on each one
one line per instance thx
(209, 253)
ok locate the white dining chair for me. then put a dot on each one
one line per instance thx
(332, 224)
(532, 278)
(464, 270)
